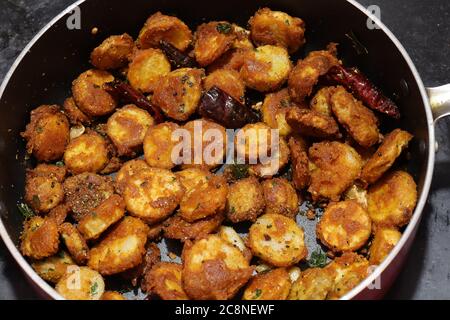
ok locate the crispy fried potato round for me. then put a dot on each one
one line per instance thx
(86, 191)
(348, 271)
(89, 95)
(159, 144)
(232, 237)
(229, 81)
(266, 68)
(233, 59)
(276, 162)
(252, 140)
(146, 68)
(47, 134)
(277, 240)
(205, 199)
(213, 139)
(178, 93)
(55, 171)
(391, 201)
(383, 242)
(212, 39)
(393, 145)
(313, 284)
(40, 238)
(59, 213)
(52, 269)
(280, 197)
(164, 280)
(359, 121)
(81, 283)
(87, 153)
(153, 194)
(43, 188)
(127, 170)
(177, 228)
(245, 200)
(301, 176)
(74, 114)
(313, 124)
(113, 52)
(277, 28)
(242, 40)
(306, 73)
(75, 243)
(321, 102)
(344, 226)
(112, 295)
(93, 224)
(272, 285)
(162, 27)
(214, 269)
(336, 166)
(127, 127)
(122, 249)
(191, 177)
(274, 109)
(358, 193)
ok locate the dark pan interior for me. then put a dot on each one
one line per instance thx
(45, 74)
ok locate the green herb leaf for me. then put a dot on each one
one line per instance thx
(258, 293)
(239, 171)
(224, 28)
(60, 163)
(25, 210)
(94, 288)
(318, 259)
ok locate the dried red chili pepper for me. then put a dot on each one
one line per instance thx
(363, 89)
(127, 94)
(224, 109)
(177, 58)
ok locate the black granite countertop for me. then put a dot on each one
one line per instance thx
(424, 29)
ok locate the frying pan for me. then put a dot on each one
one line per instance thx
(43, 72)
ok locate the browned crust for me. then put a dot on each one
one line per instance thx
(75, 115)
(245, 200)
(164, 280)
(178, 93)
(40, 238)
(312, 123)
(344, 226)
(74, 242)
(393, 145)
(359, 121)
(162, 27)
(89, 95)
(272, 285)
(210, 44)
(280, 197)
(306, 73)
(177, 228)
(86, 191)
(47, 134)
(228, 80)
(301, 177)
(113, 52)
(286, 31)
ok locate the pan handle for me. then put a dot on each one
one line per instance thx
(440, 101)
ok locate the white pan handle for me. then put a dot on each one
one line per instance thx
(440, 101)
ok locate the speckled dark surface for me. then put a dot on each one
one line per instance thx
(424, 29)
